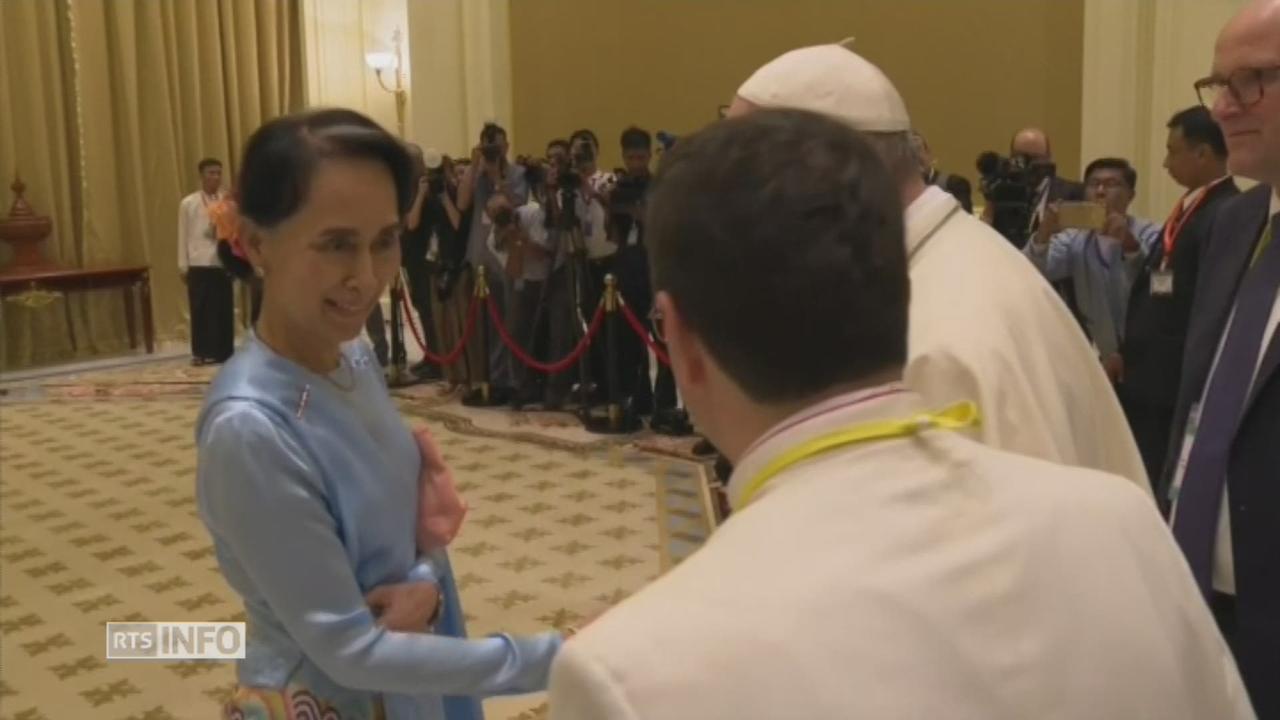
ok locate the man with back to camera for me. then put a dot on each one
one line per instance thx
(209, 287)
(1160, 302)
(1010, 345)
(488, 173)
(1102, 264)
(1223, 470)
(878, 564)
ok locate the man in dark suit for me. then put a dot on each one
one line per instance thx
(1223, 478)
(1160, 302)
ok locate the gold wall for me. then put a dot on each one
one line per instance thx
(972, 72)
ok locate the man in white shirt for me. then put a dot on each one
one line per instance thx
(1102, 263)
(209, 295)
(878, 564)
(1224, 476)
(985, 326)
(520, 240)
(592, 201)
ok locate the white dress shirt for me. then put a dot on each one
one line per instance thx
(197, 245)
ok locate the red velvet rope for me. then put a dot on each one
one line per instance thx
(413, 326)
(643, 332)
(597, 322)
(452, 356)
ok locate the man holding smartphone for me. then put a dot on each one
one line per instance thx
(1102, 254)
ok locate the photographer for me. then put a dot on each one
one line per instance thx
(445, 228)
(419, 256)
(1101, 262)
(520, 241)
(488, 174)
(626, 229)
(591, 209)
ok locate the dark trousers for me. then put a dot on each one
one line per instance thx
(593, 290)
(213, 321)
(562, 317)
(420, 275)
(1256, 656)
(632, 268)
(501, 366)
(664, 389)
(631, 357)
(523, 321)
(1151, 426)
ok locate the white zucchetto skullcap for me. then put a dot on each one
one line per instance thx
(832, 80)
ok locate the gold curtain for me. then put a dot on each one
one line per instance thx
(38, 141)
(144, 90)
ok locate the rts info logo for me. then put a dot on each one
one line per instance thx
(175, 641)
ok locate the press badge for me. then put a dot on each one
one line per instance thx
(1162, 282)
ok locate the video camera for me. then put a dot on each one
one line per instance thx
(1010, 186)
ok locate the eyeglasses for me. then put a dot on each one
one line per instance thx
(1105, 184)
(1246, 86)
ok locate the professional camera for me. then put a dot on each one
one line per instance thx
(491, 152)
(535, 171)
(627, 192)
(1010, 186)
(435, 180)
(567, 177)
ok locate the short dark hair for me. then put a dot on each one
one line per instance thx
(207, 162)
(634, 138)
(490, 132)
(779, 236)
(560, 143)
(585, 134)
(1110, 163)
(281, 157)
(1198, 128)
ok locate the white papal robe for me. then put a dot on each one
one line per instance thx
(927, 577)
(985, 326)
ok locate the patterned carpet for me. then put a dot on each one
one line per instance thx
(98, 523)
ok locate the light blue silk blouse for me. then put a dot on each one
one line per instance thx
(309, 487)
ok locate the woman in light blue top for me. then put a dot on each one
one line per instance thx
(307, 478)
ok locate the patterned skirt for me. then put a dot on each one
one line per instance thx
(297, 703)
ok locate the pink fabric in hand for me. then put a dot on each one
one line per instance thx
(440, 508)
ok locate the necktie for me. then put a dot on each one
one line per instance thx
(1199, 501)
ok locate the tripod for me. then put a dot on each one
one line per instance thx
(571, 232)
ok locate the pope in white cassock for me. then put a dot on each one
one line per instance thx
(985, 326)
(878, 563)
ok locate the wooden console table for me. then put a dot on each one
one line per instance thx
(128, 279)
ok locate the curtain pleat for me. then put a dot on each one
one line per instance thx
(161, 85)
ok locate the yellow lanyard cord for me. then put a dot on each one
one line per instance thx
(959, 416)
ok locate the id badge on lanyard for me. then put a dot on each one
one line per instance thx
(1162, 282)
